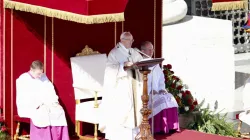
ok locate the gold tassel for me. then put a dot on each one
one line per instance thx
(103, 18)
(222, 6)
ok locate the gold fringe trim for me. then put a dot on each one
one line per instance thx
(93, 19)
(221, 6)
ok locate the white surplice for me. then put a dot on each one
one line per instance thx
(36, 99)
(245, 116)
(156, 81)
(121, 102)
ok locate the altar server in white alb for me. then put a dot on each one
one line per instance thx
(36, 99)
(245, 116)
(121, 102)
(163, 104)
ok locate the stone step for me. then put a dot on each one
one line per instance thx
(242, 59)
(242, 73)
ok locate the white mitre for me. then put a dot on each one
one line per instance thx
(173, 11)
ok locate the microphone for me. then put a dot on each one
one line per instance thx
(141, 52)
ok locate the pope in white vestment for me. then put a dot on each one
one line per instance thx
(121, 102)
(36, 99)
(164, 116)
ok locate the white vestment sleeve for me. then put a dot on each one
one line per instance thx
(161, 79)
(49, 91)
(21, 102)
(121, 72)
(24, 94)
(116, 67)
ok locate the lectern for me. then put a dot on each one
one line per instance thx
(143, 66)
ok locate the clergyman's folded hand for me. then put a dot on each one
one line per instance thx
(153, 92)
(127, 64)
(163, 92)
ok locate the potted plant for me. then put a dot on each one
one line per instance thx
(187, 104)
(191, 115)
(208, 121)
(4, 135)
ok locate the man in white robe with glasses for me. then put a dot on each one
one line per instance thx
(164, 116)
(121, 100)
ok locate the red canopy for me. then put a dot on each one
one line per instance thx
(82, 11)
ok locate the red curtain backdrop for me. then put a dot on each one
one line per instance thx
(29, 37)
(1, 52)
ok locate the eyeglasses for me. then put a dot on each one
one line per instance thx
(149, 49)
(129, 39)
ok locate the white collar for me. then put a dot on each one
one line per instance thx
(123, 47)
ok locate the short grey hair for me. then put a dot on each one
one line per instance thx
(124, 35)
(36, 65)
(143, 44)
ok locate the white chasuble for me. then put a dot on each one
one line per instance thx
(36, 99)
(159, 102)
(121, 102)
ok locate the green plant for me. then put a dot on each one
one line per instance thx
(211, 122)
(175, 86)
(4, 135)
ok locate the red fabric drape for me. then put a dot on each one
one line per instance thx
(1, 51)
(82, 7)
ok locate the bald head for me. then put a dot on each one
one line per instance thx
(126, 39)
(147, 48)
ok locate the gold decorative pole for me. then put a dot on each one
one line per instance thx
(155, 26)
(44, 42)
(96, 106)
(52, 49)
(145, 132)
(115, 33)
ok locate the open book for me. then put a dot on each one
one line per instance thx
(148, 62)
(151, 59)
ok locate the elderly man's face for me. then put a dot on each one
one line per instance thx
(127, 41)
(148, 50)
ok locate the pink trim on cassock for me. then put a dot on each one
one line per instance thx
(48, 133)
(166, 120)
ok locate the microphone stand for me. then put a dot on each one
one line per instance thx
(141, 52)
